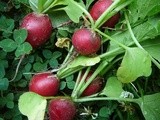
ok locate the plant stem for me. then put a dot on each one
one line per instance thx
(110, 38)
(111, 53)
(77, 81)
(136, 41)
(85, 12)
(96, 72)
(40, 6)
(101, 18)
(81, 82)
(112, 10)
(17, 68)
(88, 99)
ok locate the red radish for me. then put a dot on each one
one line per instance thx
(86, 41)
(39, 28)
(99, 7)
(95, 86)
(61, 109)
(44, 84)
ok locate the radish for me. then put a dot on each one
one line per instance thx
(86, 41)
(94, 87)
(39, 28)
(44, 84)
(61, 109)
(99, 7)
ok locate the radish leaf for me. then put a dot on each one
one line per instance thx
(136, 63)
(32, 105)
(113, 88)
(150, 106)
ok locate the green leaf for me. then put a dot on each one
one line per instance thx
(32, 105)
(62, 85)
(58, 18)
(10, 104)
(113, 88)
(34, 5)
(70, 84)
(4, 83)
(84, 61)
(136, 63)
(150, 106)
(103, 111)
(39, 66)
(8, 45)
(23, 49)
(53, 63)
(145, 31)
(20, 35)
(69, 78)
(73, 11)
(57, 54)
(47, 54)
(152, 47)
(6, 25)
(139, 9)
(3, 65)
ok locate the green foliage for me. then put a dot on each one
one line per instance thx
(149, 105)
(113, 88)
(139, 63)
(36, 109)
(132, 66)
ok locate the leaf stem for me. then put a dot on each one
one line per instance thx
(17, 68)
(96, 72)
(85, 12)
(88, 99)
(100, 20)
(136, 41)
(40, 6)
(81, 82)
(110, 38)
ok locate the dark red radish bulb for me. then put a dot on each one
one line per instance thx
(39, 28)
(86, 41)
(99, 7)
(61, 109)
(94, 87)
(44, 84)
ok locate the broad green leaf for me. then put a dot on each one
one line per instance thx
(8, 45)
(32, 105)
(84, 61)
(58, 18)
(150, 106)
(152, 47)
(113, 88)
(4, 83)
(139, 9)
(145, 31)
(20, 35)
(136, 63)
(22, 49)
(73, 11)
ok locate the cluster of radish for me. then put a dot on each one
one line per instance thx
(85, 41)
